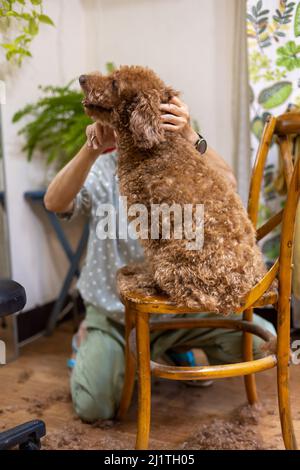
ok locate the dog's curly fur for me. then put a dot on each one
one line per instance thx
(157, 167)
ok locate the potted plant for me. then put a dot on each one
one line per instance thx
(55, 124)
(20, 22)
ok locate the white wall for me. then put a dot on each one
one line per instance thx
(188, 42)
(37, 259)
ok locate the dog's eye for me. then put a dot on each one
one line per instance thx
(114, 85)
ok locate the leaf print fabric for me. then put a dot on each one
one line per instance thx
(273, 30)
(289, 56)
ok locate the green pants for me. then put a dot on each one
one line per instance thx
(97, 378)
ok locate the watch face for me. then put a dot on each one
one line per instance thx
(202, 146)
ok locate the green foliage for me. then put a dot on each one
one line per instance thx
(297, 22)
(259, 20)
(258, 125)
(275, 95)
(264, 213)
(55, 125)
(271, 247)
(110, 67)
(289, 56)
(26, 16)
(283, 16)
(260, 68)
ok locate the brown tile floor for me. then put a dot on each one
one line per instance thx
(36, 385)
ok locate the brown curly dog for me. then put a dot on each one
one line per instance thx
(157, 167)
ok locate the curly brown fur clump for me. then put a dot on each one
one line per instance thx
(157, 167)
(136, 278)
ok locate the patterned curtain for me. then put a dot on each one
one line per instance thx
(273, 29)
(241, 124)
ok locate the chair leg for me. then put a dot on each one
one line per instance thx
(144, 380)
(249, 380)
(283, 358)
(129, 378)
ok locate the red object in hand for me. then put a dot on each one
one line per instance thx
(110, 150)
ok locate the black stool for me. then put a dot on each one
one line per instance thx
(28, 435)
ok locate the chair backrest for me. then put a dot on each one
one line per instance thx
(283, 128)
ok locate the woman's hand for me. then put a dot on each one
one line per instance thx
(68, 182)
(176, 118)
(100, 137)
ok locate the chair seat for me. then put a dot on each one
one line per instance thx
(136, 286)
(12, 297)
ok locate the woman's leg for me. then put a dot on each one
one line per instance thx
(97, 378)
(220, 345)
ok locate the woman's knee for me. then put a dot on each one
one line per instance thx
(90, 408)
(259, 349)
(228, 346)
(97, 378)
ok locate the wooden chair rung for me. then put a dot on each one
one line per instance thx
(190, 323)
(261, 287)
(288, 124)
(267, 228)
(286, 157)
(213, 372)
(258, 169)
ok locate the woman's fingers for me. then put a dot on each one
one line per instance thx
(97, 137)
(100, 137)
(171, 127)
(96, 143)
(94, 135)
(89, 143)
(170, 108)
(177, 101)
(172, 119)
(175, 113)
(175, 116)
(88, 136)
(98, 129)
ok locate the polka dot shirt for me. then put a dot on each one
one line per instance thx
(97, 282)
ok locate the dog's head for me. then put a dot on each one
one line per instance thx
(129, 97)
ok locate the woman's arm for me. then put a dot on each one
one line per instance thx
(68, 182)
(176, 118)
(218, 163)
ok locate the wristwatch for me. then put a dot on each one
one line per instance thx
(201, 144)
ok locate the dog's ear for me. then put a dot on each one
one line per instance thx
(145, 123)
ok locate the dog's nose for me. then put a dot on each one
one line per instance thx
(82, 79)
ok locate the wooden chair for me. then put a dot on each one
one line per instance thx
(139, 308)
